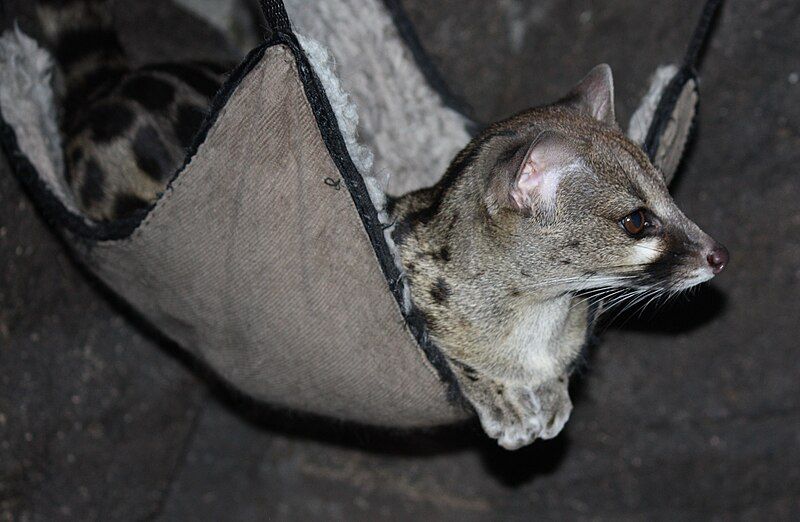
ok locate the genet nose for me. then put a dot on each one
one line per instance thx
(718, 258)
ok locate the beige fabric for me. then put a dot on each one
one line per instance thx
(254, 263)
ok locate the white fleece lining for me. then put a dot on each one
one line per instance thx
(347, 118)
(409, 135)
(675, 135)
(403, 120)
(640, 121)
(28, 105)
(345, 109)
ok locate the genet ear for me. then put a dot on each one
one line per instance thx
(549, 158)
(594, 95)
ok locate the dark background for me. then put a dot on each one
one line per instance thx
(689, 413)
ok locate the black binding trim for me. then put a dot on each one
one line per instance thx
(77, 225)
(275, 13)
(50, 206)
(687, 72)
(332, 136)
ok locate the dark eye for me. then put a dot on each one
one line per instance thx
(635, 223)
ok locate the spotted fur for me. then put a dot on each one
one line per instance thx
(125, 130)
(505, 252)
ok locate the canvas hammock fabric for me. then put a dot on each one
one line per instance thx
(268, 255)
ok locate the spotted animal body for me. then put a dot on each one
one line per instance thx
(125, 131)
(540, 220)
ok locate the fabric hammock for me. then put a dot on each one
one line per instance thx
(268, 256)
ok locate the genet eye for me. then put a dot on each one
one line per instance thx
(635, 223)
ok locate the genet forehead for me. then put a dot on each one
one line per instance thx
(638, 175)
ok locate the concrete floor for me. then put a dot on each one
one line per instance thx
(689, 413)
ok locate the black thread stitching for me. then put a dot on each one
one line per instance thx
(335, 184)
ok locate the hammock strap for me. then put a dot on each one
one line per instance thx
(275, 14)
(687, 72)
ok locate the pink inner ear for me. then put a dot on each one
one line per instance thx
(547, 161)
(529, 179)
(540, 176)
